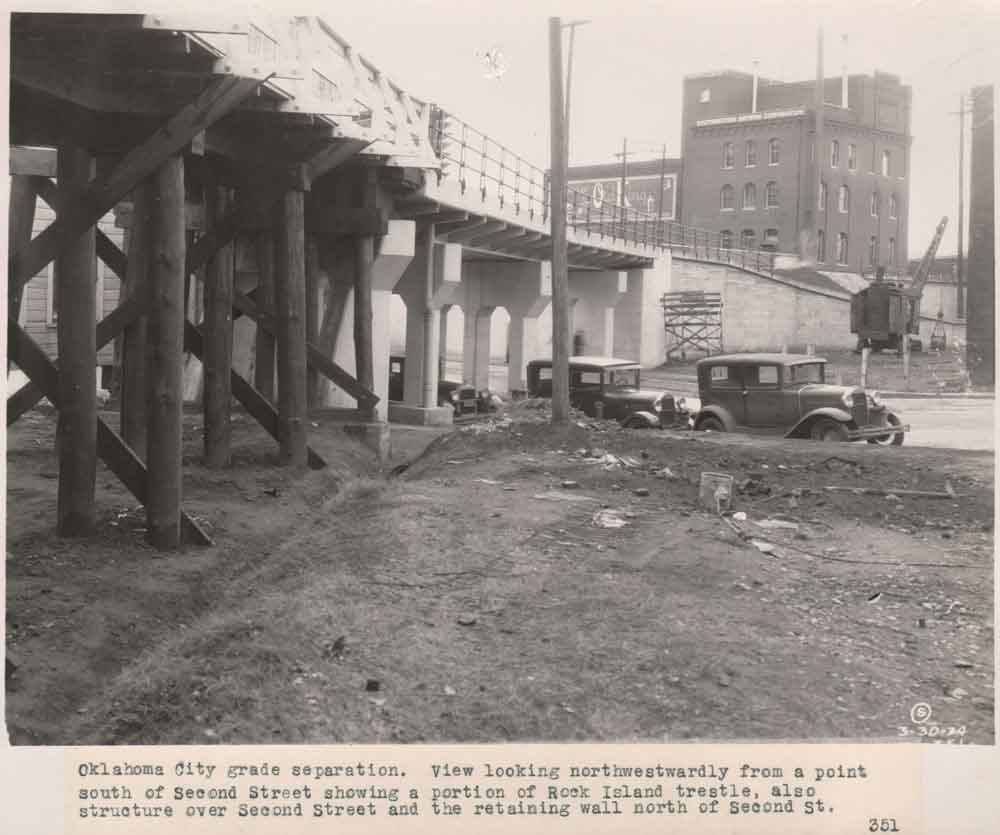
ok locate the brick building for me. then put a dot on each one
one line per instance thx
(594, 184)
(750, 173)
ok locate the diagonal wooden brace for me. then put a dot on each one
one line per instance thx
(253, 401)
(107, 250)
(218, 99)
(326, 366)
(114, 452)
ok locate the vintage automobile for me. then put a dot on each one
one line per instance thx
(604, 387)
(462, 397)
(787, 394)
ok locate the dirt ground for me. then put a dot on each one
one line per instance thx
(475, 594)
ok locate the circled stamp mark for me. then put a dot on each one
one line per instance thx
(920, 713)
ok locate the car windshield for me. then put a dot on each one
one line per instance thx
(625, 378)
(811, 372)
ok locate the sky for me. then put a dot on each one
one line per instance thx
(629, 61)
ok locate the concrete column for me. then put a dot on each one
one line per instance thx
(413, 374)
(638, 319)
(523, 341)
(476, 346)
(595, 296)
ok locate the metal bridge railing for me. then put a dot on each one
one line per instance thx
(481, 165)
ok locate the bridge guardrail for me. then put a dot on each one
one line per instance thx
(478, 162)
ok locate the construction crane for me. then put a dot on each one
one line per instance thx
(884, 311)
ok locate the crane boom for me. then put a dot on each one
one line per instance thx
(924, 268)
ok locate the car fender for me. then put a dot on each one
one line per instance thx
(717, 411)
(642, 420)
(836, 414)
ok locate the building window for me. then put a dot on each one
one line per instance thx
(892, 252)
(725, 239)
(728, 200)
(774, 152)
(822, 196)
(747, 238)
(852, 157)
(749, 196)
(892, 206)
(843, 199)
(875, 204)
(771, 195)
(770, 239)
(873, 250)
(706, 96)
(820, 246)
(751, 153)
(886, 164)
(728, 155)
(842, 248)
(834, 153)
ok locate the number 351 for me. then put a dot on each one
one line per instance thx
(882, 825)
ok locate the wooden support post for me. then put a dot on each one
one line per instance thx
(76, 438)
(264, 352)
(364, 255)
(313, 296)
(290, 287)
(865, 354)
(166, 346)
(218, 334)
(20, 222)
(134, 398)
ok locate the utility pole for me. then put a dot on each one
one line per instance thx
(621, 199)
(819, 102)
(960, 259)
(560, 278)
(569, 74)
(663, 182)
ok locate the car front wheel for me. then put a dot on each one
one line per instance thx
(710, 424)
(826, 429)
(895, 439)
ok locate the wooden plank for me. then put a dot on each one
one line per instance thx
(166, 357)
(290, 285)
(40, 162)
(218, 344)
(134, 417)
(93, 203)
(76, 436)
(20, 224)
(264, 356)
(114, 452)
(251, 399)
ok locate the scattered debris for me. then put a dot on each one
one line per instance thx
(467, 619)
(570, 485)
(962, 664)
(716, 491)
(450, 691)
(763, 547)
(771, 524)
(607, 518)
(666, 472)
(875, 597)
(891, 494)
(740, 516)
(373, 685)
(641, 491)
(554, 496)
(486, 481)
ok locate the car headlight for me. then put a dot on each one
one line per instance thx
(875, 400)
(680, 404)
(658, 404)
(847, 398)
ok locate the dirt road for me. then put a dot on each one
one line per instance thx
(515, 582)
